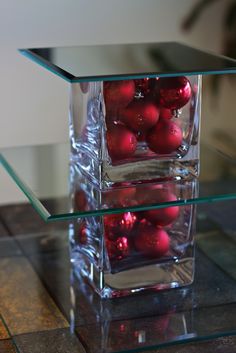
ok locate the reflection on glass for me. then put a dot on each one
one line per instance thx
(119, 61)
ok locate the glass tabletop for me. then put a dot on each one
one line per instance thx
(55, 308)
(111, 62)
(45, 172)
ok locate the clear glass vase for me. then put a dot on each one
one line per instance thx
(136, 130)
(120, 254)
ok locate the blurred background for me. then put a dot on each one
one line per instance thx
(34, 102)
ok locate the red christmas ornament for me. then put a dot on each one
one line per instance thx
(118, 94)
(163, 216)
(117, 225)
(121, 142)
(165, 137)
(118, 249)
(151, 241)
(165, 113)
(174, 92)
(140, 115)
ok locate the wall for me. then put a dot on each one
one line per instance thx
(34, 102)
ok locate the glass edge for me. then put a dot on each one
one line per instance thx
(73, 79)
(37, 205)
(43, 212)
(46, 65)
(107, 211)
(179, 342)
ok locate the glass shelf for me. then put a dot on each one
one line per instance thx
(116, 62)
(44, 172)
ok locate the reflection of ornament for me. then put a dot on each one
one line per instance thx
(119, 197)
(166, 215)
(165, 137)
(140, 115)
(121, 142)
(118, 249)
(151, 241)
(118, 94)
(174, 92)
(80, 200)
(117, 225)
(83, 234)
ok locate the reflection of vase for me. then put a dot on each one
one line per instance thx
(121, 131)
(129, 324)
(114, 252)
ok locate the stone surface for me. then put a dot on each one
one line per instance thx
(25, 304)
(3, 331)
(23, 219)
(7, 346)
(56, 341)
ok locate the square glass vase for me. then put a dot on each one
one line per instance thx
(136, 130)
(121, 254)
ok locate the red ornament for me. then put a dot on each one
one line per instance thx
(165, 113)
(118, 249)
(121, 142)
(174, 92)
(118, 94)
(165, 137)
(140, 115)
(151, 241)
(117, 225)
(163, 216)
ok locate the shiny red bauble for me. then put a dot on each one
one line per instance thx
(118, 249)
(140, 115)
(174, 92)
(165, 137)
(166, 215)
(118, 94)
(165, 113)
(151, 241)
(121, 142)
(117, 225)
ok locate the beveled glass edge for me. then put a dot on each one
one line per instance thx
(43, 212)
(37, 205)
(178, 342)
(74, 79)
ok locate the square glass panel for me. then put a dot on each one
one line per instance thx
(111, 62)
(44, 172)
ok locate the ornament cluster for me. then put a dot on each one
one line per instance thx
(143, 111)
(143, 233)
